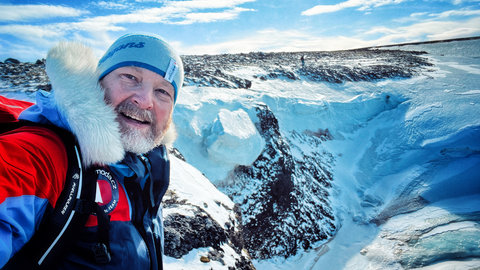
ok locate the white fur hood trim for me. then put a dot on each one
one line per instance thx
(71, 68)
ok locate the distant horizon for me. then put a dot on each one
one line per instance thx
(28, 28)
(379, 46)
(426, 42)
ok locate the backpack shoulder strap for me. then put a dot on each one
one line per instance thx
(59, 227)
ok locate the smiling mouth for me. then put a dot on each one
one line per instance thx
(135, 119)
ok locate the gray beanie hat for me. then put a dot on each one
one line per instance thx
(146, 51)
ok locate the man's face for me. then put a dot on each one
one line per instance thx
(143, 101)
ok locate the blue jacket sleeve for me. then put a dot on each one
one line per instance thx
(19, 218)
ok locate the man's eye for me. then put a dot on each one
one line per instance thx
(163, 92)
(129, 77)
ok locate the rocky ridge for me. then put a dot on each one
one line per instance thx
(332, 67)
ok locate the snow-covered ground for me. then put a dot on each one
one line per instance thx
(188, 183)
(406, 151)
(419, 164)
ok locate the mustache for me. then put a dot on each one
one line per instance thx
(130, 110)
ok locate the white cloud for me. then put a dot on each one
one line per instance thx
(38, 38)
(427, 30)
(189, 12)
(415, 17)
(168, 14)
(113, 5)
(412, 18)
(363, 5)
(380, 30)
(205, 17)
(207, 4)
(458, 2)
(19, 13)
(462, 12)
(320, 9)
(273, 40)
(32, 32)
(173, 12)
(95, 30)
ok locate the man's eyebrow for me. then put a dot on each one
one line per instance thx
(137, 69)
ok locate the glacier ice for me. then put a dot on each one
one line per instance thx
(233, 139)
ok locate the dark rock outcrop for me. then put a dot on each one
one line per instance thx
(284, 198)
(29, 76)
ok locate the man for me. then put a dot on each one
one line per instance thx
(120, 112)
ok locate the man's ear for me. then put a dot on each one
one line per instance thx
(100, 83)
(170, 136)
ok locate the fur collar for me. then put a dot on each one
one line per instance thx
(72, 70)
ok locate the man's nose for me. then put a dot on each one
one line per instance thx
(143, 98)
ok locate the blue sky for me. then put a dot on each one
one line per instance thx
(29, 28)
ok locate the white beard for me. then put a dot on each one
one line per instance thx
(136, 142)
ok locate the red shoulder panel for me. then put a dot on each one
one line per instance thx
(11, 108)
(33, 161)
